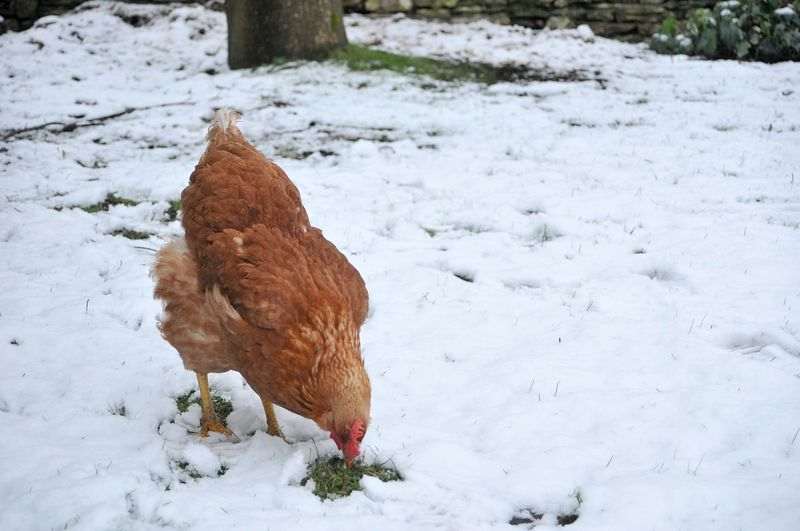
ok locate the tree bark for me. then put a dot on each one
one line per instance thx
(261, 31)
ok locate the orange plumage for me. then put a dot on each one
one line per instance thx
(253, 287)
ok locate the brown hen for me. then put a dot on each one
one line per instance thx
(254, 288)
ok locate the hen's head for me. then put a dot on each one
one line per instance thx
(349, 440)
(348, 417)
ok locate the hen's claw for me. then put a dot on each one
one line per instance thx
(276, 432)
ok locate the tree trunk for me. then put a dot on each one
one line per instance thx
(260, 31)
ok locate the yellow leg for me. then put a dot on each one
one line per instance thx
(209, 421)
(272, 421)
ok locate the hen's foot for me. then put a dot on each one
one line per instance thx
(272, 421)
(209, 421)
(275, 431)
(213, 424)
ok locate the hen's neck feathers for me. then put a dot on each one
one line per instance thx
(338, 389)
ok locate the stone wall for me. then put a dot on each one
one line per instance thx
(20, 14)
(627, 19)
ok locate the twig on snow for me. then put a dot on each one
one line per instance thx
(142, 248)
(67, 127)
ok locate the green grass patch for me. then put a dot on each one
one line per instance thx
(110, 200)
(171, 214)
(118, 408)
(531, 517)
(194, 474)
(191, 472)
(546, 233)
(430, 231)
(222, 406)
(362, 58)
(131, 234)
(333, 479)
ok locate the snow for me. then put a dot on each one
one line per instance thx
(201, 459)
(585, 32)
(626, 344)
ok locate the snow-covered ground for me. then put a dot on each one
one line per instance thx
(585, 295)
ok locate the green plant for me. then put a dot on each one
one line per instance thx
(171, 214)
(757, 30)
(222, 406)
(111, 200)
(193, 473)
(131, 234)
(118, 408)
(668, 39)
(332, 479)
(702, 26)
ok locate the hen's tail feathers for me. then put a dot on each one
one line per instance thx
(223, 126)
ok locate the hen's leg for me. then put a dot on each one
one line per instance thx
(209, 421)
(272, 421)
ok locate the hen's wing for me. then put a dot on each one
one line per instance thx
(274, 279)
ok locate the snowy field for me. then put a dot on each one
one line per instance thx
(585, 295)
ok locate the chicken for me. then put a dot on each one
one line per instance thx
(253, 287)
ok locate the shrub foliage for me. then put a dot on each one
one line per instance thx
(755, 30)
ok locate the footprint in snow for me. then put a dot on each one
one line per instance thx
(771, 344)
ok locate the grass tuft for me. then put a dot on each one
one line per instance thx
(191, 472)
(194, 474)
(131, 234)
(118, 408)
(110, 200)
(530, 517)
(332, 479)
(171, 214)
(465, 276)
(185, 400)
(222, 406)
(545, 233)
